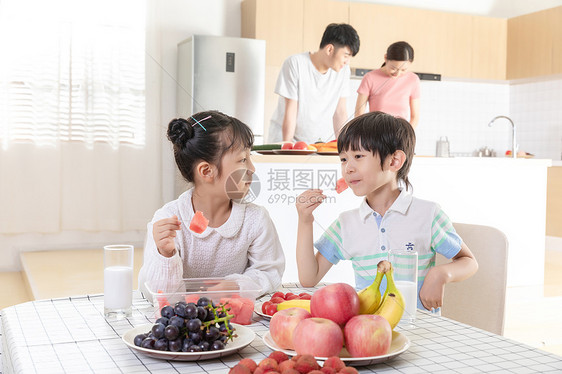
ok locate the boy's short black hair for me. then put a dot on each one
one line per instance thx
(341, 35)
(382, 134)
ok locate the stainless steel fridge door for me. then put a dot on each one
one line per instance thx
(225, 74)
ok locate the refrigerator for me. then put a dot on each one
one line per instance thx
(225, 74)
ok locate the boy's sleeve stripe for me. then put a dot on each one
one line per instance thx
(336, 235)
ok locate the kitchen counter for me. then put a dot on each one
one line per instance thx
(506, 193)
(70, 335)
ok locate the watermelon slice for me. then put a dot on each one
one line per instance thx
(162, 300)
(192, 298)
(241, 307)
(198, 223)
(341, 185)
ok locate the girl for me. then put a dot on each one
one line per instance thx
(392, 88)
(376, 151)
(212, 151)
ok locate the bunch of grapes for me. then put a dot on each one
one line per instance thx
(189, 327)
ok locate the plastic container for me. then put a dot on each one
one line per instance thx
(241, 295)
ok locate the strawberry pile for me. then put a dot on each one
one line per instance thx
(279, 363)
(269, 307)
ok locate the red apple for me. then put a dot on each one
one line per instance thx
(287, 146)
(283, 323)
(338, 302)
(367, 335)
(300, 145)
(319, 337)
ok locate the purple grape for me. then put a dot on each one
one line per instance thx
(167, 312)
(171, 332)
(177, 321)
(201, 313)
(194, 325)
(175, 345)
(148, 343)
(139, 338)
(194, 348)
(158, 330)
(161, 344)
(217, 345)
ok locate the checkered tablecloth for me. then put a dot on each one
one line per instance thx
(71, 335)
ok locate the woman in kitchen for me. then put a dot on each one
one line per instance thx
(392, 88)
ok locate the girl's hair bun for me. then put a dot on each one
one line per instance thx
(179, 131)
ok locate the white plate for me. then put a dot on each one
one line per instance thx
(244, 338)
(400, 343)
(293, 151)
(257, 310)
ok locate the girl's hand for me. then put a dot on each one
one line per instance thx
(307, 202)
(164, 232)
(433, 289)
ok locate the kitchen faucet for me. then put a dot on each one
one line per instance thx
(514, 144)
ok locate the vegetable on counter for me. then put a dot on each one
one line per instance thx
(266, 147)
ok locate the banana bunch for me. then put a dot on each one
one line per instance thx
(370, 296)
(305, 304)
(392, 305)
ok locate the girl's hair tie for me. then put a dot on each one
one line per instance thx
(199, 122)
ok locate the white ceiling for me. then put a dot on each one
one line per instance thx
(491, 8)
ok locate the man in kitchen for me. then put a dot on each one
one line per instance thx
(313, 87)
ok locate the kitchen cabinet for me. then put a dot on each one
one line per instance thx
(317, 15)
(534, 44)
(489, 47)
(279, 23)
(554, 202)
(454, 45)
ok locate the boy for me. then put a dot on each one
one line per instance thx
(376, 151)
(313, 87)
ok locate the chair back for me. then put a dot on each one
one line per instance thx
(480, 300)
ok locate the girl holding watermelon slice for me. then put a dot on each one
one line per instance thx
(207, 231)
(376, 151)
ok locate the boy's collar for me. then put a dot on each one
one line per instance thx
(400, 205)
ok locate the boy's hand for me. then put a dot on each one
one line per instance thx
(307, 202)
(433, 289)
(164, 232)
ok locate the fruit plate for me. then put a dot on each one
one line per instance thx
(244, 338)
(265, 152)
(328, 153)
(400, 343)
(257, 310)
(293, 151)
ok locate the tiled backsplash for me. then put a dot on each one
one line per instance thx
(461, 110)
(537, 108)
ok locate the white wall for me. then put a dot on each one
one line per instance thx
(168, 23)
(171, 22)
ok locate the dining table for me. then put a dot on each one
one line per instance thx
(71, 335)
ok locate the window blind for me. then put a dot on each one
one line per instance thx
(73, 71)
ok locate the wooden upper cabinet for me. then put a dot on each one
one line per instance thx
(556, 15)
(317, 15)
(279, 23)
(529, 45)
(441, 41)
(489, 47)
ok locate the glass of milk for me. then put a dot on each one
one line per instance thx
(405, 266)
(117, 281)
